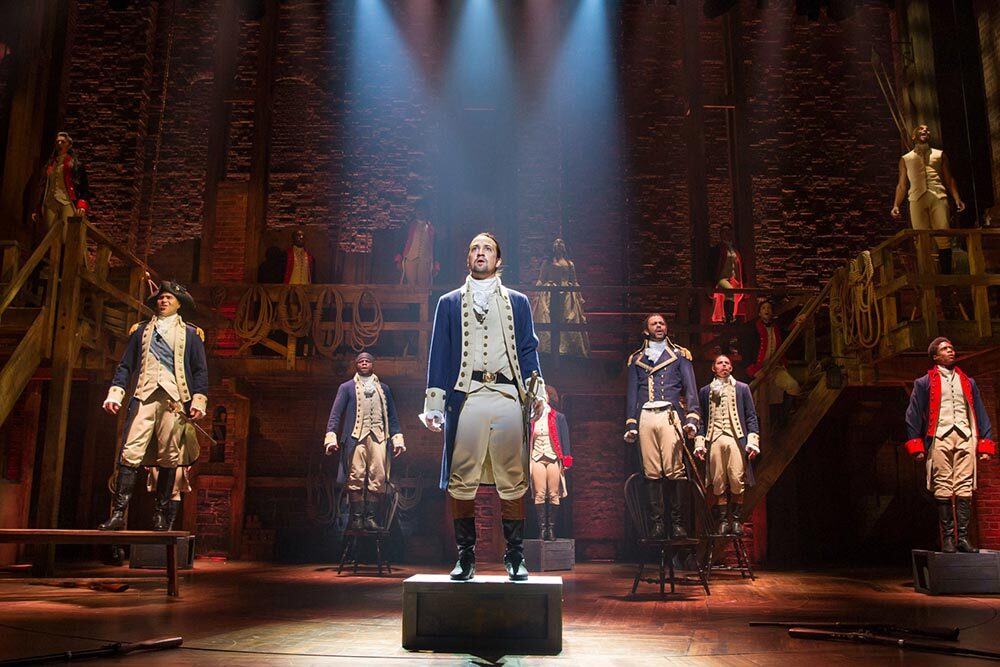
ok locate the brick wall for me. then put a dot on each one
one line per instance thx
(989, 40)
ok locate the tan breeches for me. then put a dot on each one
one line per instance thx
(55, 212)
(951, 466)
(726, 467)
(369, 455)
(660, 443)
(418, 271)
(546, 476)
(153, 418)
(782, 383)
(930, 212)
(489, 447)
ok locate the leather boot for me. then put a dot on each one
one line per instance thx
(513, 557)
(371, 507)
(736, 512)
(721, 513)
(165, 478)
(963, 512)
(654, 500)
(354, 521)
(676, 489)
(550, 526)
(542, 519)
(947, 520)
(124, 486)
(172, 510)
(465, 538)
(728, 308)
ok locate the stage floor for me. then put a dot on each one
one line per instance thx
(257, 614)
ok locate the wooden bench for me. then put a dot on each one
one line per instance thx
(169, 539)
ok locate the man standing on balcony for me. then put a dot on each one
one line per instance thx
(661, 387)
(729, 435)
(925, 180)
(65, 191)
(300, 266)
(365, 409)
(165, 358)
(947, 426)
(482, 359)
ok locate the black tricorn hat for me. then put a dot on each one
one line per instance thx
(178, 290)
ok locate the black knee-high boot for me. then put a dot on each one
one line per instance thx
(550, 526)
(963, 512)
(465, 538)
(165, 478)
(654, 500)
(512, 519)
(676, 489)
(947, 519)
(124, 486)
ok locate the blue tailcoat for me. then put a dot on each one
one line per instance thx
(745, 411)
(671, 379)
(343, 415)
(446, 359)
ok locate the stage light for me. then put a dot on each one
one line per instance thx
(716, 8)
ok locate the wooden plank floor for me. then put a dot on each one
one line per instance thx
(234, 614)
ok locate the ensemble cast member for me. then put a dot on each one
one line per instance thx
(550, 459)
(166, 359)
(65, 192)
(947, 426)
(765, 336)
(555, 272)
(364, 419)
(925, 180)
(661, 387)
(729, 434)
(300, 266)
(418, 254)
(728, 274)
(482, 356)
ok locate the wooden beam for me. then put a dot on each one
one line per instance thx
(63, 360)
(694, 126)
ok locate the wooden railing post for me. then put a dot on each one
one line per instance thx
(928, 298)
(980, 291)
(64, 351)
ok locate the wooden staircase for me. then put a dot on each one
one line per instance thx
(907, 302)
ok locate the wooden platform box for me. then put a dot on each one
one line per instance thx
(154, 557)
(541, 556)
(937, 573)
(488, 613)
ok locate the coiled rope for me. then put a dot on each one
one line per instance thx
(853, 305)
(365, 334)
(254, 317)
(326, 337)
(294, 314)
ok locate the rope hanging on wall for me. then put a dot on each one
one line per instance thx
(294, 315)
(254, 317)
(853, 305)
(328, 336)
(365, 334)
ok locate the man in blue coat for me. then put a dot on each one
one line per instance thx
(947, 426)
(165, 359)
(479, 375)
(364, 419)
(661, 387)
(729, 434)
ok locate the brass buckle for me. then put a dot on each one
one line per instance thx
(489, 377)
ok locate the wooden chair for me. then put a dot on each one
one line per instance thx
(384, 516)
(635, 505)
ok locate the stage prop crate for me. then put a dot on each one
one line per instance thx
(542, 556)
(153, 557)
(938, 573)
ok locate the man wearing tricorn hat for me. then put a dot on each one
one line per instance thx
(363, 419)
(947, 426)
(165, 359)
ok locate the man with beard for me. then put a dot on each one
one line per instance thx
(925, 180)
(365, 409)
(661, 386)
(947, 426)
(482, 357)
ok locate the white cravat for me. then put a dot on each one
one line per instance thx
(164, 324)
(655, 348)
(481, 292)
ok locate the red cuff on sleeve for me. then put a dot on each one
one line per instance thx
(914, 446)
(82, 204)
(567, 462)
(984, 446)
